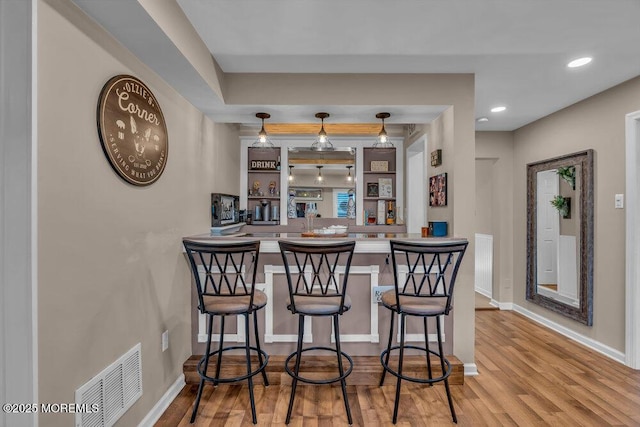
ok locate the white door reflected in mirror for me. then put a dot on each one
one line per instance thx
(557, 235)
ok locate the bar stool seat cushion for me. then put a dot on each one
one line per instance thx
(419, 306)
(236, 304)
(320, 305)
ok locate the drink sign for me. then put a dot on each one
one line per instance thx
(267, 165)
(132, 130)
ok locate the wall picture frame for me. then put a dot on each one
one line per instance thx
(385, 187)
(438, 190)
(372, 189)
(436, 157)
(379, 166)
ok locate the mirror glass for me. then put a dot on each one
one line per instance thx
(324, 180)
(560, 234)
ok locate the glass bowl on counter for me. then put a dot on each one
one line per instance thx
(333, 229)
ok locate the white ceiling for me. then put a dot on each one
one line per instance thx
(518, 49)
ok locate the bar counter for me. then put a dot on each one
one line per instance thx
(365, 242)
(364, 328)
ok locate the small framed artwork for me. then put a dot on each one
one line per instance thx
(438, 190)
(379, 166)
(372, 189)
(385, 187)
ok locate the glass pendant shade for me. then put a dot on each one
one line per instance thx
(263, 141)
(290, 178)
(383, 139)
(322, 142)
(319, 179)
(349, 178)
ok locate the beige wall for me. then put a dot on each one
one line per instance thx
(494, 151)
(110, 263)
(440, 137)
(598, 123)
(484, 195)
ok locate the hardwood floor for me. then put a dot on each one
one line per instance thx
(528, 376)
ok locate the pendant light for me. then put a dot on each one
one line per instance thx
(290, 178)
(319, 179)
(322, 142)
(263, 141)
(383, 139)
(349, 178)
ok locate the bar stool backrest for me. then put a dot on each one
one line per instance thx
(219, 269)
(317, 270)
(432, 270)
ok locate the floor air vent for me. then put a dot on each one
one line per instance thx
(109, 394)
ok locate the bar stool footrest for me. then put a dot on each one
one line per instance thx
(322, 381)
(254, 350)
(395, 373)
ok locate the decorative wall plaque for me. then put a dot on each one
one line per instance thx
(379, 166)
(132, 130)
(266, 165)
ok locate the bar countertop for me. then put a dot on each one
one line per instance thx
(365, 242)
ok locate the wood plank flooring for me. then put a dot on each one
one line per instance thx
(366, 369)
(529, 376)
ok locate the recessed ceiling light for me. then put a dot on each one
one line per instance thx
(482, 119)
(498, 109)
(579, 62)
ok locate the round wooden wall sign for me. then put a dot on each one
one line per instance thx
(132, 130)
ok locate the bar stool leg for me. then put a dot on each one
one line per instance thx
(343, 382)
(386, 361)
(401, 322)
(255, 328)
(296, 369)
(446, 381)
(426, 345)
(220, 345)
(206, 364)
(250, 379)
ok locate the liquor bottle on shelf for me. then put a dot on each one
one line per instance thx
(351, 205)
(391, 219)
(278, 164)
(291, 206)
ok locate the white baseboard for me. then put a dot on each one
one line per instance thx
(483, 292)
(164, 402)
(502, 305)
(470, 370)
(605, 350)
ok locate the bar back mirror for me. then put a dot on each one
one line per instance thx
(560, 235)
(337, 169)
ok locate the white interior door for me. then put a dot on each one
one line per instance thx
(416, 215)
(548, 221)
(632, 244)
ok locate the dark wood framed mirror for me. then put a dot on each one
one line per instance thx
(560, 235)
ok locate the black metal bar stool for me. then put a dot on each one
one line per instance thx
(223, 290)
(314, 290)
(425, 292)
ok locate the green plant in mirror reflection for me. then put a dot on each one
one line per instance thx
(562, 205)
(568, 174)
